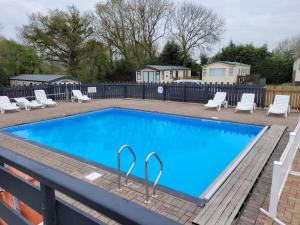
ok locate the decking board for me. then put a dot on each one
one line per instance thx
(223, 207)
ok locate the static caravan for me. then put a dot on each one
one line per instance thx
(296, 71)
(162, 74)
(224, 72)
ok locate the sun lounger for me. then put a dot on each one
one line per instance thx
(78, 96)
(280, 105)
(24, 103)
(6, 105)
(218, 101)
(247, 103)
(41, 98)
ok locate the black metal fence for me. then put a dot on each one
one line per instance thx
(56, 211)
(171, 92)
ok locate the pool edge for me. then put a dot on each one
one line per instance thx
(197, 200)
(219, 181)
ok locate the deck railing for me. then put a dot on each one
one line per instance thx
(281, 170)
(252, 78)
(56, 211)
(171, 92)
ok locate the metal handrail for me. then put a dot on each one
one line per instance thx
(57, 211)
(147, 178)
(119, 165)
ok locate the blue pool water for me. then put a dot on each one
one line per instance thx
(194, 151)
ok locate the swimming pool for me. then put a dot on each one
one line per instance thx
(194, 151)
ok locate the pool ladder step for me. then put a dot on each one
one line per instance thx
(146, 171)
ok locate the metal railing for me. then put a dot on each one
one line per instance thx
(56, 211)
(119, 165)
(147, 177)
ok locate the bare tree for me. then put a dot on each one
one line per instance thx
(133, 27)
(291, 45)
(195, 27)
(1, 37)
(148, 21)
(112, 26)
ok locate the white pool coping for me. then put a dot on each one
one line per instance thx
(213, 187)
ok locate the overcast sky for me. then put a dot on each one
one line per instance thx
(247, 21)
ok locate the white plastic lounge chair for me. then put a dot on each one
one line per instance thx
(280, 105)
(6, 105)
(247, 103)
(77, 95)
(41, 98)
(24, 103)
(218, 101)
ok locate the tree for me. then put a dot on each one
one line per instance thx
(94, 62)
(195, 27)
(171, 54)
(204, 59)
(276, 66)
(131, 28)
(247, 54)
(113, 28)
(16, 59)
(123, 71)
(148, 21)
(1, 27)
(60, 36)
(290, 46)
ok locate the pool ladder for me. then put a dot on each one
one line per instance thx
(119, 165)
(157, 178)
(146, 171)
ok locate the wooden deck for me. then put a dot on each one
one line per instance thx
(174, 207)
(224, 206)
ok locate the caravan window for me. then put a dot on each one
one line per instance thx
(157, 75)
(217, 72)
(139, 75)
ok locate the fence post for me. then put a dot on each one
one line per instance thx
(125, 90)
(67, 93)
(206, 92)
(48, 205)
(184, 93)
(143, 90)
(165, 91)
(263, 97)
